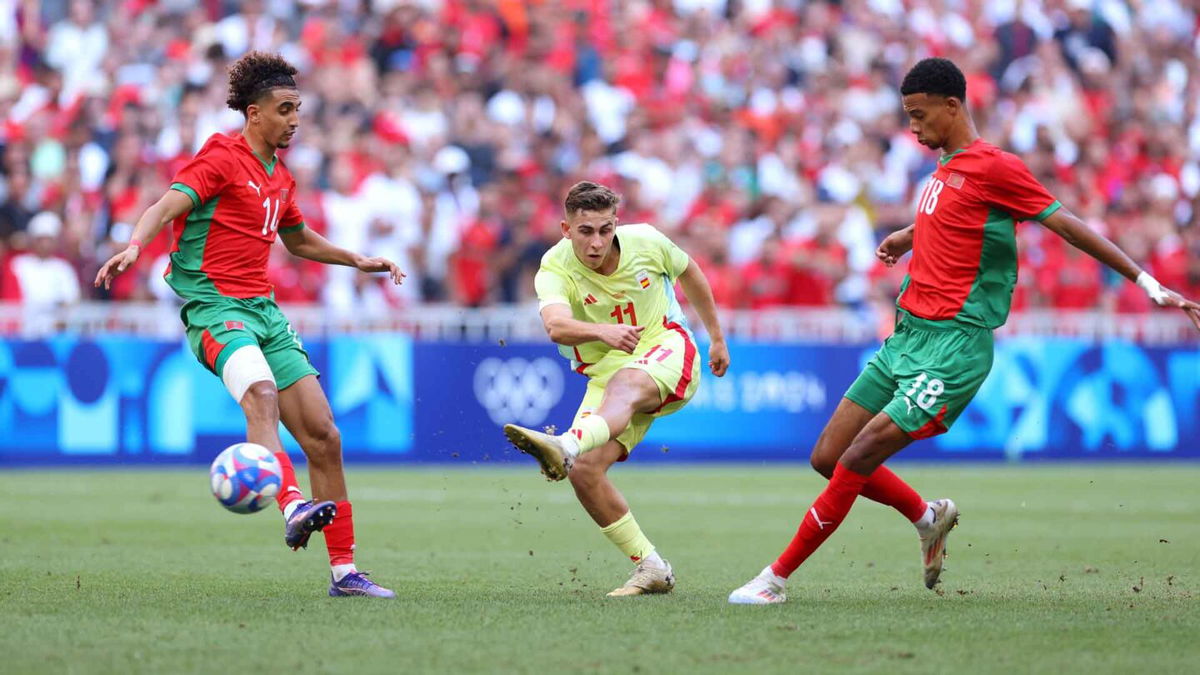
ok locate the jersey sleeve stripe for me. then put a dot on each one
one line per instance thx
(185, 189)
(292, 228)
(1048, 211)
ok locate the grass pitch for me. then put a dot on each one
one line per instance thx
(1053, 569)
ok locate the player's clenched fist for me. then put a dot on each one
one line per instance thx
(115, 265)
(718, 358)
(621, 336)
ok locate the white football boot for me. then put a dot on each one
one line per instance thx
(933, 539)
(767, 588)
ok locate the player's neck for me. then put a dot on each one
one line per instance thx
(612, 262)
(960, 138)
(264, 150)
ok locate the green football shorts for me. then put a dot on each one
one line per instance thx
(217, 327)
(925, 374)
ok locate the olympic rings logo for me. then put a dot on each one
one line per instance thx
(517, 390)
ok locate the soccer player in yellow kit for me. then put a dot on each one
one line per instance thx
(607, 297)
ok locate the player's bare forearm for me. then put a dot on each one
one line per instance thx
(1068, 226)
(307, 244)
(566, 330)
(699, 293)
(169, 207)
(304, 243)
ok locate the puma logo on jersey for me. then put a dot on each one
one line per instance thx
(257, 191)
(908, 402)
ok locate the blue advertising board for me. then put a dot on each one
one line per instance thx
(131, 400)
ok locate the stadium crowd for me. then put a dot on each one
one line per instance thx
(765, 136)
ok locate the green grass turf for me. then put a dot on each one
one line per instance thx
(1053, 569)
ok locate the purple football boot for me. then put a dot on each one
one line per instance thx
(357, 583)
(309, 517)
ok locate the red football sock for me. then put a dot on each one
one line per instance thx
(289, 491)
(886, 487)
(339, 536)
(822, 519)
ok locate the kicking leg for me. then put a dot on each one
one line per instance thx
(628, 392)
(248, 379)
(306, 413)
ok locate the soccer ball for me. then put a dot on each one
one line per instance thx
(245, 477)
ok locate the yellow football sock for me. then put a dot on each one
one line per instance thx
(591, 432)
(628, 537)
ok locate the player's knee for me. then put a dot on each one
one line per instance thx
(821, 462)
(323, 442)
(261, 402)
(587, 471)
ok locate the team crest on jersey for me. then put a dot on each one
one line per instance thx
(643, 279)
(956, 181)
(283, 194)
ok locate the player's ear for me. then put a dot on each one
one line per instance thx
(566, 229)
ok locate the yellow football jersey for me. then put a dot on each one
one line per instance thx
(640, 292)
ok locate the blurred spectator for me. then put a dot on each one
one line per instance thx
(766, 137)
(45, 281)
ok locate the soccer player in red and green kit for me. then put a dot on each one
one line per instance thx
(226, 207)
(958, 290)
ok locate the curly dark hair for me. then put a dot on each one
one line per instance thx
(936, 76)
(588, 196)
(255, 74)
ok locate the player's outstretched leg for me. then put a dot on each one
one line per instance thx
(608, 508)
(878, 441)
(306, 413)
(247, 376)
(885, 487)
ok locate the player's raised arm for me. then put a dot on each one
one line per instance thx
(1068, 226)
(172, 205)
(302, 242)
(566, 330)
(698, 291)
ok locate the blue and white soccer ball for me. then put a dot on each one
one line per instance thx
(245, 477)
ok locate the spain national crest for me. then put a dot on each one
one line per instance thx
(643, 279)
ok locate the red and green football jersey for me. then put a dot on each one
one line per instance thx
(964, 263)
(239, 202)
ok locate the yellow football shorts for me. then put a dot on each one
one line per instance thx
(670, 358)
